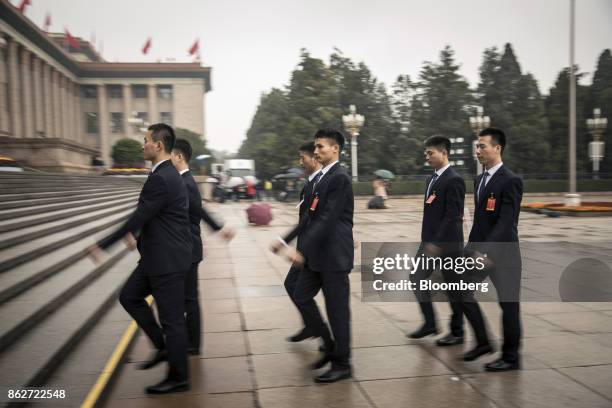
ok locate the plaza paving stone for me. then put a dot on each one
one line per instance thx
(246, 361)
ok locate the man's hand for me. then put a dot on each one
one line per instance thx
(276, 246)
(294, 256)
(227, 234)
(130, 241)
(488, 263)
(95, 253)
(432, 250)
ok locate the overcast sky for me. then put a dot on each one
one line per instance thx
(253, 45)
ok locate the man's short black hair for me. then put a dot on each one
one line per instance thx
(334, 135)
(498, 137)
(440, 143)
(308, 148)
(163, 133)
(184, 148)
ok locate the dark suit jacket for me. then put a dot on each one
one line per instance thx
(305, 199)
(197, 213)
(443, 218)
(161, 222)
(496, 232)
(326, 234)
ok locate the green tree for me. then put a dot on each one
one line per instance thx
(127, 153)
(557, 112)
(357, 86)
(264, 141)
(440, 105)
(513, 102)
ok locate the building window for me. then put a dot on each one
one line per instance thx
(164, 91)
(115, 91)
(143, 116)
(117, 122)
(139, 91)
(166, 117)
(90, 91)
(91, 122)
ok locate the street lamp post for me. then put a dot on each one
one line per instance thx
(353, 122)
(572, 198)
(597, 125)
(478, 123)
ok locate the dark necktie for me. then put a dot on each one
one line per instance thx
(315, 180)
(482, 185)
(432, 181)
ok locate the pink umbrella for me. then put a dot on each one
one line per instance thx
(259, 213)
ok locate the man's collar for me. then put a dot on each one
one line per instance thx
(184, 171)
(314, 173)
(442, 170)
(325, 169)
(157, 165)
(494, 169)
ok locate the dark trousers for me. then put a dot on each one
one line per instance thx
(507, 285)
(169, 293)
(192, 308)
(336, 290)
(424, 298)
(290, 284)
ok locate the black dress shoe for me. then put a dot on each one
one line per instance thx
(320, 363)
(449, 340)
(502, 365)
(160, 355)
(422, 332)
(193, 351)
(334, 374)
(477, 352)
(301, 335)
(168, 386)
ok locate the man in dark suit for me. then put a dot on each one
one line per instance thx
(181, 154)
(161, 222)
(497, 199)
(441, 236)
(312, 168)
(327, 253)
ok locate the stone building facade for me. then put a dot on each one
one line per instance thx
(62, 108)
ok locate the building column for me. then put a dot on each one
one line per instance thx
(127, 110)
(103, 130)
(39, 113)
(4, 116)
(26, 96)
(76, 112)
(152, 99)
(48, 105)
(57, 116)
(67, 111)
(14, 87)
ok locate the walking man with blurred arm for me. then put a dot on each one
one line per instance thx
(441, 236)
(181, 154)
(162, 225)
(497, 199)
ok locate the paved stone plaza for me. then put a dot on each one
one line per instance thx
(246, 362)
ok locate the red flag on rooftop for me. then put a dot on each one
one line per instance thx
(71, 40)
(195, 48)
(47, 22)
(24, 4)
(147, 46)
